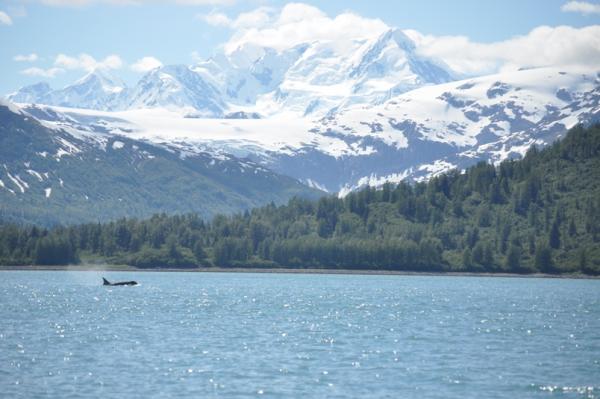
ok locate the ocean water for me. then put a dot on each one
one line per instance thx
(203, 335)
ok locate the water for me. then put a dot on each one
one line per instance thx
(63, 335)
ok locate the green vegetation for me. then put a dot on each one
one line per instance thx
(538, 214)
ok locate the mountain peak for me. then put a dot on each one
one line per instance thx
(176, 86)
(173, 69)
(389, 65)
(104, 80)
(401, 39)
(31, 93)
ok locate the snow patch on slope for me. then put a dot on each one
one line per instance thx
(36, 174)
(374, 181)
(12, 107)
(17, 182)
(458, 112)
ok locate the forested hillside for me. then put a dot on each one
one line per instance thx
(57, 176)
(538, 214)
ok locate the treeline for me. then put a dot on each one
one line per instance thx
(538, 214)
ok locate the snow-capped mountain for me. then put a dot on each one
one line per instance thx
(393, 57)
(96, 90)
(175, 86)
(389, 65)
(248, 73)
(414, 135)
(309, 79)
(433, 129)
(317, 77)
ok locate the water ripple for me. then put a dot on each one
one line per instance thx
(268, 335)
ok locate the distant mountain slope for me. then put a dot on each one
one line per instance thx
(50, 176)
(538, 214)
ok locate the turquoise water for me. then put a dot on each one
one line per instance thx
(63, 335)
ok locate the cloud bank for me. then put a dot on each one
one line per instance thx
(297, 23)
(543, 46)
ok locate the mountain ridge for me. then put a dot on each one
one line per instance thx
(368, 71)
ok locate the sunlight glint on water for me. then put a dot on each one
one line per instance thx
(271, 335)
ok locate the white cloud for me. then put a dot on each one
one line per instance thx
(543, 46)
(298, 12)
(64, 62)
(202, 2)
(299, 23)
(146, 64)
(216, 19)
(82, 3)
(582, 7)
(5, 19)
(87, 63)
(46, 73)
(253, 19)
(26, 57)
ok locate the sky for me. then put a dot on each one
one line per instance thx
(59, 41)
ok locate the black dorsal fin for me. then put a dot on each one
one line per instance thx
(105, 281)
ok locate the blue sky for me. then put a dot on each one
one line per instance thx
(173, 32)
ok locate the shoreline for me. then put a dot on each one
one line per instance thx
(124, 268)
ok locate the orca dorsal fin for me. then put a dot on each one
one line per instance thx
(105, 281)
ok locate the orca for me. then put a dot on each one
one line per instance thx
(106, 282)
